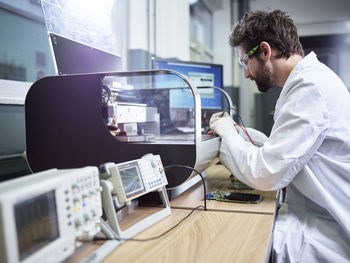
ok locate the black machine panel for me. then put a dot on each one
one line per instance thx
(65, 129)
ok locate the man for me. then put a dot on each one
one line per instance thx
(309, 147)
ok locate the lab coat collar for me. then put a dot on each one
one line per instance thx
(308, 60)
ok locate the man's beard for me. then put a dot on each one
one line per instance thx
(263, 78)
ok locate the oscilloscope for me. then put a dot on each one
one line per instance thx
(44, 215)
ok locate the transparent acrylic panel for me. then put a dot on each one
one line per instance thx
(86, 21)
(155, 107)
(213, 95)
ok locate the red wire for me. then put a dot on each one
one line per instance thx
(245, 133)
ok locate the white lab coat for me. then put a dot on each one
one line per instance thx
(309, 152)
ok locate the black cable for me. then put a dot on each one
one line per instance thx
(191, 168)
(236, 110)
(151, 238)
(167, 231)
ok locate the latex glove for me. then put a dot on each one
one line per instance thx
(216, 116)
(256, 136)
(222, 123)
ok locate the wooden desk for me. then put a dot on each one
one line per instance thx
(218, 178)
(227, 232)
(203, 237)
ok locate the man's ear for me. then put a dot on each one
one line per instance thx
(265, 50)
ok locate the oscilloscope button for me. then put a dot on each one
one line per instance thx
(87, 216)
(77, 222)
(153, 163)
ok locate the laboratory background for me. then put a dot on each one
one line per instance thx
(185, 30)
(136, 36)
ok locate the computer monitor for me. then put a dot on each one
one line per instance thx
(181, 103)
(203, 75)
(72, 57)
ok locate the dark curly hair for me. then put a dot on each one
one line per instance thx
(276, 28)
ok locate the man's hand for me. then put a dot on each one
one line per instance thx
(251, 135)
(222, 123)
(256, 136)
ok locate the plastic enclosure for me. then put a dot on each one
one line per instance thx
(148, 178)
(90, 119)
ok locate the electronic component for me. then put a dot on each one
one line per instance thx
(44, 215)
(122, 183)
(237, 184)
(129, 122)
(126, 181)
(135, 178)
(235, 197)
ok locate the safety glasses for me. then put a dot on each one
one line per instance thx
(243, 60)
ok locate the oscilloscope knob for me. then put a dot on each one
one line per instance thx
(153, 163)
(150, 157)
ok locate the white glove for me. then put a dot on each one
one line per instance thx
(222, 123)
(256, 136)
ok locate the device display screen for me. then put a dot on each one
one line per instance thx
(36, 223)
(131, 179)
(203, 75)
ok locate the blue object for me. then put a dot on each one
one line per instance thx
(209, 196)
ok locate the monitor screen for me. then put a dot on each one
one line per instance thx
(131, 179)
(36, 223)
(202, 75)
(72, 57)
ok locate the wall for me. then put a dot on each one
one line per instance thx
(137, 21)
(30, 9)
(312, 17)
(222, 51)
(171, 29)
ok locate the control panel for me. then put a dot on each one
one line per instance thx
(134, 178)
(123, 182)
(82, 204)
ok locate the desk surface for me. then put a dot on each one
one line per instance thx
(203, 237)
(218, 178)
(227, 232)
